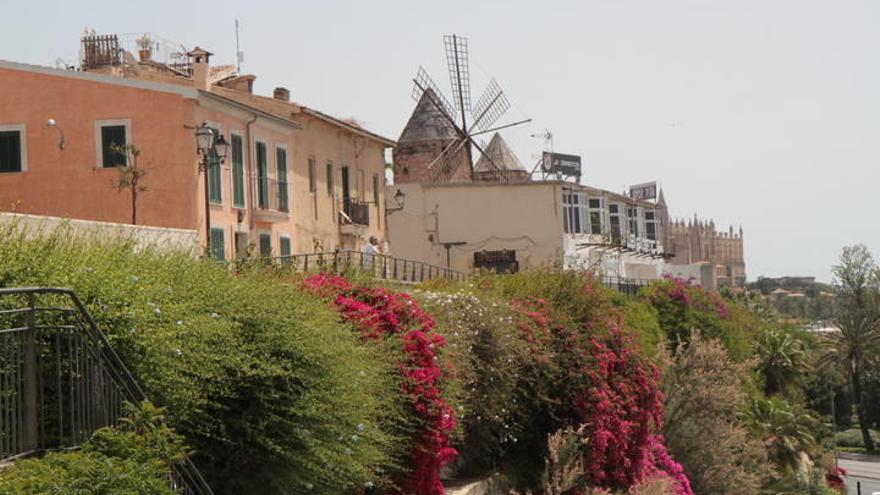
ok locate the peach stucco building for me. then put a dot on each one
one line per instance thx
(295, 179)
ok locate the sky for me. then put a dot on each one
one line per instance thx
(760, 113)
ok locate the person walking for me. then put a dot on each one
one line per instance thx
(371, 249)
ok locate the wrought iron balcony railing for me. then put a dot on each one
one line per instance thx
(356, 212)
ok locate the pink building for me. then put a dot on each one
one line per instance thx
(295, 179)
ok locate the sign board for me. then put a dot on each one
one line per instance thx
(558, 163)
(498, 261)
(645, 191)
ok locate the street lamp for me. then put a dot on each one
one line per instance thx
(400, 199)
(209, 142)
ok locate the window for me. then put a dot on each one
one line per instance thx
(113, 137)
(13, 150)
(218, 246)
(376, 190)
(633, 214)
(650, 225)
(313, 186)
(215, 183)
(574, 215)
(285, 247)
(265, 245)
(614, 217)
(595, 205)
(237, 172)
(330, 184)
(262, 176)
(281, 168)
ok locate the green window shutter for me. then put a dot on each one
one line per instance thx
(376, 190)
(281, 174)
(112, 136)
(262, 176)
(237, 172)
(312, 179)
(330, 184)
(10, 151)
(215, 191)
(218, 246)
(265, 245)
(285, 247)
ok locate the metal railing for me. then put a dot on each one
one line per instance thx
(379, 265)
(630, 286)
(60, 380)
(357, 211)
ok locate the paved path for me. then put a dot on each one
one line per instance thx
(865, 472)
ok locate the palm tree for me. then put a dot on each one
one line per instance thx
(854, 348)
(787, 432)
(782, 360)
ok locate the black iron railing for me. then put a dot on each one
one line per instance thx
(357, 212)
(60, 380)
(379, 265)
(630, 286)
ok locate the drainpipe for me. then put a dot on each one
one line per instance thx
(249, 177)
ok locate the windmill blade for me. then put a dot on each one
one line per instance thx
(459, 72)
(447, 163)
(421, 86)
(490, 107)
(485, 155)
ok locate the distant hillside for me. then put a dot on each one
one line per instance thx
(798, 298)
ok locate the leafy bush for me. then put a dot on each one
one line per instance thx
(853, 438)
(261, 378)
(131, 459)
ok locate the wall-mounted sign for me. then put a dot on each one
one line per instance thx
(559, 163)
(645, 191)
(503, 261)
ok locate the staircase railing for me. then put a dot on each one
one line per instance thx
(60, 379)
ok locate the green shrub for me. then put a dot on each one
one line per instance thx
(259, 377)
(853, 438)
(131, 459)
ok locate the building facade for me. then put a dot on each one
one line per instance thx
(294, 180)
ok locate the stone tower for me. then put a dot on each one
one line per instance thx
(427, 133)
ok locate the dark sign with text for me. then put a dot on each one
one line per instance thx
(559, 163)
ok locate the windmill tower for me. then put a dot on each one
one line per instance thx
(437, 144)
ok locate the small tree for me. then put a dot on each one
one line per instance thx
(130, 175)
(854, 348)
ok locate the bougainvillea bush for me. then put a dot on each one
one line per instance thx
(683, 307)
(394, 319)
(582, 368)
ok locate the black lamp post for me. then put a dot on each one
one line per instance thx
(208, 140)
(400, 199)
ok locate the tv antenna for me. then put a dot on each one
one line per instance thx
(483, 113)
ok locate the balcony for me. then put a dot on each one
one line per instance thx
(271, 199)
(354, 217)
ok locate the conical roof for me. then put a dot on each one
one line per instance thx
(427, 123)
(502, 157)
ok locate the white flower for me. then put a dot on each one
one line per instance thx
(158, 311)
(178, 352)
(354, 438)
(368, 484)
(180, 322)
(360, 427)
(309, 486)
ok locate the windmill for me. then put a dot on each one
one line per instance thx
(469, 119)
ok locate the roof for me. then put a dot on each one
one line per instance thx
(502, 157)
(427, 122)
(287, 111)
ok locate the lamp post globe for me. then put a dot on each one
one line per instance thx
(221, 147)
(204, 138)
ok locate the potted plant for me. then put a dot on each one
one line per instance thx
(145, 45)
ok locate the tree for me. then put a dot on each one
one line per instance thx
(130, 176)
(782, 359)
(855, 346)
(704, 391)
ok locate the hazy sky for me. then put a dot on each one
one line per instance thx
(760, 113)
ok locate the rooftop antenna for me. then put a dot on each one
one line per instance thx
(239, 55)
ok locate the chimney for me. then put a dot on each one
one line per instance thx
(199, 59)
(282, 94)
